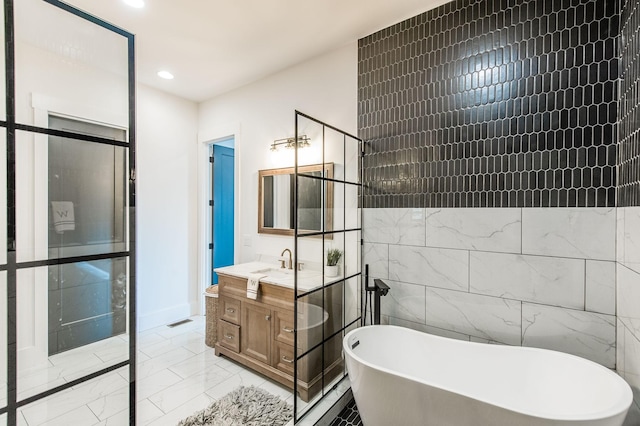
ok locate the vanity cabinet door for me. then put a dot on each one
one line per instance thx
(283, 326)
(256, 332)
(230, 310)
(283, 357)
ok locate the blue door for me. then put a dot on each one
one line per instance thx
(223, 166)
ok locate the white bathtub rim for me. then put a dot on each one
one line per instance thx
(621, 405)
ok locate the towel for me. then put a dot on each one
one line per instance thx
(252, 285)
(63, 216)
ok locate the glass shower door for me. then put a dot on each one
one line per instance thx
(68, 266)
(87, 198)
(331, 307)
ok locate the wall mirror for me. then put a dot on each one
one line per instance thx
(276, 199)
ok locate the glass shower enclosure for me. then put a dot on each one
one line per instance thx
(327, 308)
(67, 222)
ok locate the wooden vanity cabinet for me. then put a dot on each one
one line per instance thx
(260, 334)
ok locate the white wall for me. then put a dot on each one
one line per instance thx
(324, 87)
(166, 210)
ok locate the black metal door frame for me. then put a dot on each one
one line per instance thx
(12, 266)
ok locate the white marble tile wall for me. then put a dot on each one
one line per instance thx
(628, 240)
(628, 355)
(394, 226)
(549, 280)
(600, 288)
(405, 302)
(491, 318)
(628, 296)
(480, 274)
(475, 229)
(584, 233)
(586, 334)
(433, 267)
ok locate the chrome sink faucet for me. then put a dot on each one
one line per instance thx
(290, 264)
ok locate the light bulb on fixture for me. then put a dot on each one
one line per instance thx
(165, 74)
(138, 4)
(289, 143)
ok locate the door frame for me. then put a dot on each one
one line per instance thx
(36, 351)
(205, 212)
(215, 170)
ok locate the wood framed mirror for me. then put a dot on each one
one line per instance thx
(276, 200)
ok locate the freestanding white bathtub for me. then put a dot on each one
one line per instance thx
(404, 377)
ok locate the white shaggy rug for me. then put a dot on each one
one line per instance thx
(245, 406)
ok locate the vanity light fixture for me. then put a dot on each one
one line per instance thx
(138, 4)
(165, 74)
(303, 142)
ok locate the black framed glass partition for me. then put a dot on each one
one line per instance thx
(67, 235)
(329, 305)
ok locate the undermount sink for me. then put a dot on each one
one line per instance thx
(275, 272)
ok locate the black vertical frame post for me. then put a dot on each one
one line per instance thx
(12, 337)
(295, 273)
(133, 329)
(12, 267)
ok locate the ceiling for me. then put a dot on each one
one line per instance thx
(214, 46)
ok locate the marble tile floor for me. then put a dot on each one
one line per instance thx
(177, 375)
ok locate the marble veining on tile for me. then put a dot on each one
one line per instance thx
(586, 334)
(629, 237)
(487, 317)
(587, 233)
(443, 268)
(376, 255)
(629, 354)
(405, 301)
(474, 229)
(600, 287)
(628, 295)
(394, 226)
(548, 280)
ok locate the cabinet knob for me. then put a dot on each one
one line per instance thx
(231, 310)
(267, 317)
(229, 336)
(287, 330)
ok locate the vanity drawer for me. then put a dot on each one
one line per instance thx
(229, 335)
(230, 310)
(283, 326)
(283, 357)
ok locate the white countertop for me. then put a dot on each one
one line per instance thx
(307, 280)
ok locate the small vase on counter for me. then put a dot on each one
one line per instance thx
(332, 269)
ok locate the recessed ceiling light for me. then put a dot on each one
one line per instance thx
(135, 3)
(165, 74)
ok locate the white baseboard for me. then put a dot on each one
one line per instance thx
(164, 316)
